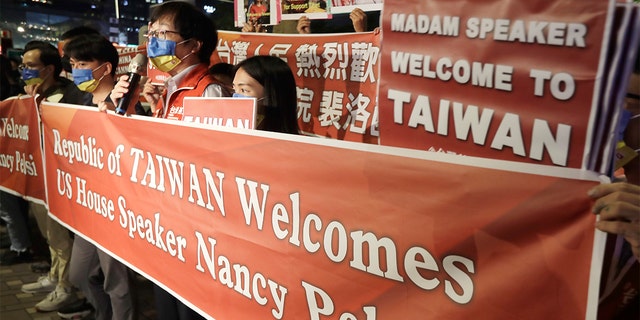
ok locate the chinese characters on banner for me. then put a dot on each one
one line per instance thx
(336, 76)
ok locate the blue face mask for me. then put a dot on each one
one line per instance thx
(259, 115)
(31, 76)
(81, 75)
(84, 79)
(162, 54)
(158, 47)
(240, 95)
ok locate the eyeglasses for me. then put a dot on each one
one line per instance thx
(160, 34)
(23, 66)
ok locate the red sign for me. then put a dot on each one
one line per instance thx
(21, 170)
(494, 79)
(156, 77)
(225, 112)
(267, 225)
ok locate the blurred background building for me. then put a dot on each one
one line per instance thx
(24, 20)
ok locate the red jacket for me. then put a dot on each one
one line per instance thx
(193, 85)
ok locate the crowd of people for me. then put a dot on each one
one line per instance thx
(180, 41)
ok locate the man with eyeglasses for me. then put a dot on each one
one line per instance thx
(40, 70)
(181, 40)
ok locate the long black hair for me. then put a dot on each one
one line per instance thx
(280, 100)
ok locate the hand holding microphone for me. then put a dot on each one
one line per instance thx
(127, 89)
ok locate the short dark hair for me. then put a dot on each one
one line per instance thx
(79, 30)
(93, 47)
(191, 23)
(49, 55)
(222, 68)
(281, 100)
(223, 72)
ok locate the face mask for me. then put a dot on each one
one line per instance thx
(259, 116)
(31, 76)
(162, 54)
(83, 78)
(240, 95)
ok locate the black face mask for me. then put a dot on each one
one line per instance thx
(66, 63)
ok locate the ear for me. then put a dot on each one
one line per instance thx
(107, 70)
(197, 46)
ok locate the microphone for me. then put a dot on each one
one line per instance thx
(137, 66)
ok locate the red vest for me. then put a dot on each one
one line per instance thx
(193, 85)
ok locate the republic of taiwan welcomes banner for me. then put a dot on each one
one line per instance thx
(336, 76)
(494, 79)
(259, 225)
(21, 170)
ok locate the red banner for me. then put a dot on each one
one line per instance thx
(336, 76)
(243, 224)
(494, 79)
(21, 170)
